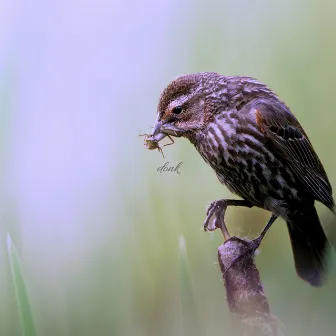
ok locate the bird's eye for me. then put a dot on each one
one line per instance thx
(177, 109)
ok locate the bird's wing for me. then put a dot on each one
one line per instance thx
(285, 134)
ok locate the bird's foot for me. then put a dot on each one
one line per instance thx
(215, 214)
(251, 248)
(252, 245)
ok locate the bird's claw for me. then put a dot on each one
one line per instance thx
(251, 245)
(215, 215)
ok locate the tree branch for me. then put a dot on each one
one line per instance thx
(247, 301)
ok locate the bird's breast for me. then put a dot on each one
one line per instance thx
(230, 139)
(236, 150)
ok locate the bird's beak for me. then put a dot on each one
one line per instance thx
(160, 130)
(157, 128)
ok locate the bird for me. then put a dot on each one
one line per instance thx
(259, 151)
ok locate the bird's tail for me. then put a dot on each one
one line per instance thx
(309, 244)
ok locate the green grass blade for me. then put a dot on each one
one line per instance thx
(27, 320)
(191, 317)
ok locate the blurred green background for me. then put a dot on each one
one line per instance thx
(97, 231)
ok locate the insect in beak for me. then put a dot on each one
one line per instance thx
(152, 141)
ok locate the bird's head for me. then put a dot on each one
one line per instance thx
(185, 104)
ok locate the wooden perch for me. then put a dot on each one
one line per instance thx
(247, 301)
(246, 298)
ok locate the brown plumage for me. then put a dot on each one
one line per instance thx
(258, 150)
